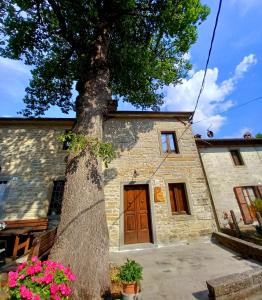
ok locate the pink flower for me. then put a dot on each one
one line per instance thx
(26, 293)
(48, 278)
(64, 289)
(71, 277)
(21, 266)
(57, 297)
(36, 297)
(54, 288)
(31, 270)
(12, 277)
(22, 276)
(34, 259)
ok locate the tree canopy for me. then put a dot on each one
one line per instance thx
(259, 135)
(147, 42)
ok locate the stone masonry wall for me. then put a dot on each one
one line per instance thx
(138, 144)
(223, 175)
(31, 157)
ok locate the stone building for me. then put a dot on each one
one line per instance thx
(233, 169)
(155, 190)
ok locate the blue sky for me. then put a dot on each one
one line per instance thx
(234, 74)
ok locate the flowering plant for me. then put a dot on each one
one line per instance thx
(36, 280)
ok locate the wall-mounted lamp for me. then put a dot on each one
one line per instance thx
(135, 174)
(210, 133)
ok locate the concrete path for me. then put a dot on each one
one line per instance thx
(180, 272)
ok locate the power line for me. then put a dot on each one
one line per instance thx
(191, 123)
(208, 58)
(232, 108)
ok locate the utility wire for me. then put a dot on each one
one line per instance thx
(191, 123)
(232, 108)
(208, 58)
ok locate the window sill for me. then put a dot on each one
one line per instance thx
(182, 217)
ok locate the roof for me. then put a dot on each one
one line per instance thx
(205, 143)
(37, 121)
(117, 114)
(150, 114)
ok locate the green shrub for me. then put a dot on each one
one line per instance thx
(257, 203)
(259, 230)
(130, 272)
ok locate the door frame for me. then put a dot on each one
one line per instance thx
(122, 244)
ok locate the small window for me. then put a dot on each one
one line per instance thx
(237, 158)
(249, 194)
(178, 199)
(57, 197)
(66, 143)
(3, 185)
(169, 144)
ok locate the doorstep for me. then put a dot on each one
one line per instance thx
(132, 247)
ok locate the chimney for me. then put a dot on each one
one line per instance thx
(247, 135)
(112, 106)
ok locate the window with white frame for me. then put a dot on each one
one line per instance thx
(3, 185)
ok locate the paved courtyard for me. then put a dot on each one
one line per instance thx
(180, 272)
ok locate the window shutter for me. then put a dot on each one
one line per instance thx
(172, 198)
(259, 187)
(243, 205)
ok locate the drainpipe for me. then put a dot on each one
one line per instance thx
(209, 190)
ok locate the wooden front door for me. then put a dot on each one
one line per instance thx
(137, 227)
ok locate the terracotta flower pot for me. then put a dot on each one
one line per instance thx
(130, 288)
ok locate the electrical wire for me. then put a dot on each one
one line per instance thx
(192, 123)
(207, 62)
(230, 109)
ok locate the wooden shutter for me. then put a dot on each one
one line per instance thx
(180, 198)
(259, 187)
(243, 205)
(172, 198)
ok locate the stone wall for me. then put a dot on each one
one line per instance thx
(223, 175)
(31, 157)
(138, 145)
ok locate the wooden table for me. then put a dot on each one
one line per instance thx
(18, 233)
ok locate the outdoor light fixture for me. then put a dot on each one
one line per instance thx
(210, 133)
(135, 174)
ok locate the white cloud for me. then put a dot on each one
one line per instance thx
(244, 6)
(14, 65)
(214, 98)
(240, 133)
(14, 77)
(245, 64)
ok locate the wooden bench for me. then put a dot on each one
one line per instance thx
(41, 247)
(42, 244)
(20, 228)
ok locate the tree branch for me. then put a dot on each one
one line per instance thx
(63, 27)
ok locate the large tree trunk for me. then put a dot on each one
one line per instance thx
(82, 238)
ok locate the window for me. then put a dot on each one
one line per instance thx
(249, 194)
(67, 141)
(178, 199)
(57, 197)
(236, 156)
(245, 195)
(3, 185)
(169, 144)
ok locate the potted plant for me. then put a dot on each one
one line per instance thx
(130, 274)
(116, 285)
